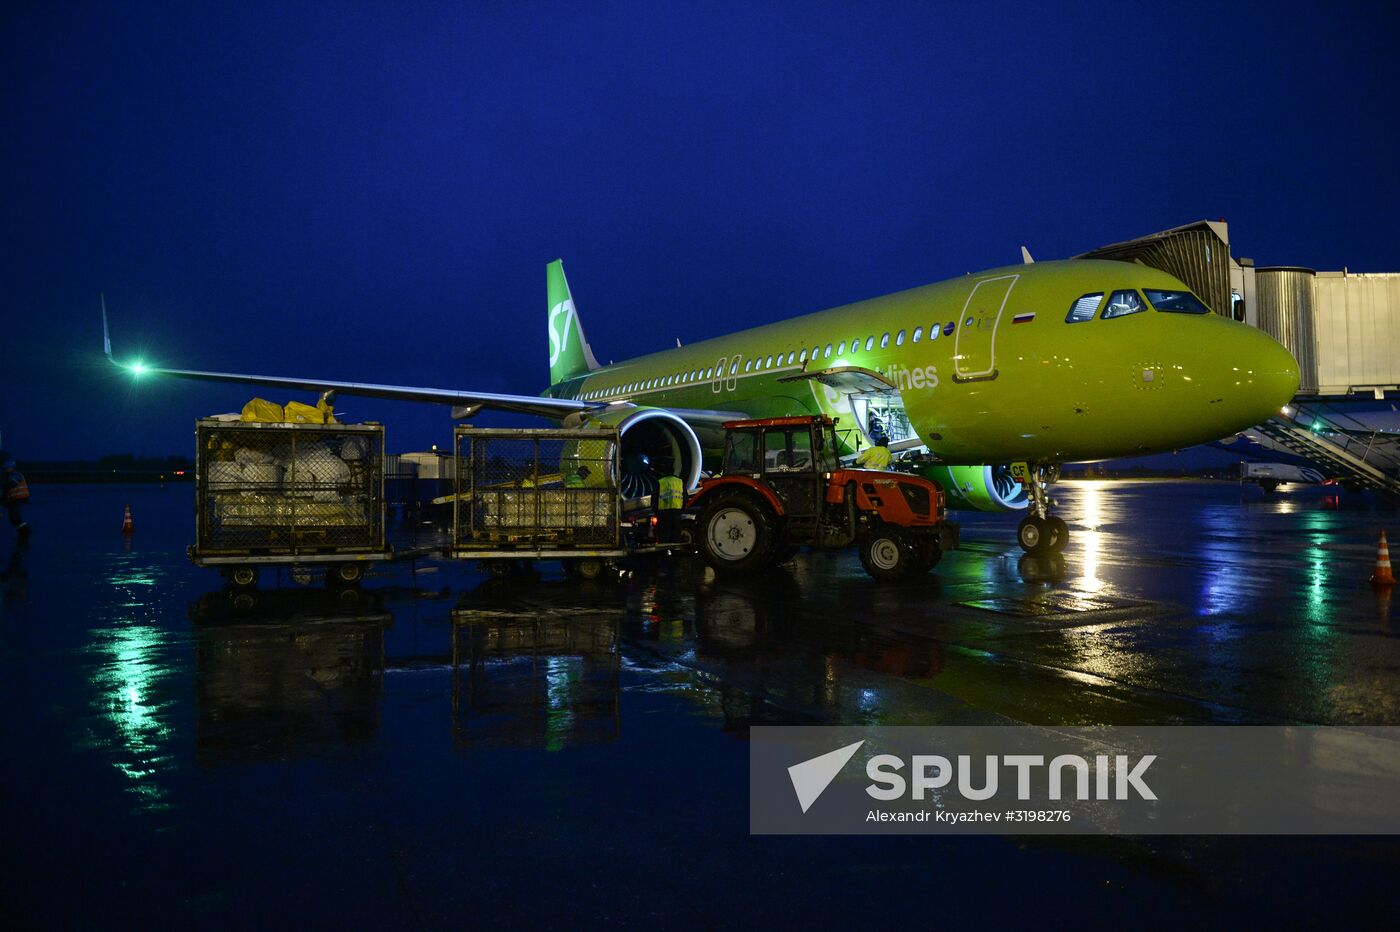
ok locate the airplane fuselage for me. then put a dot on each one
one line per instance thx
(1025, 362)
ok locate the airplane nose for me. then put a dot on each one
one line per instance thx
(1273, 375)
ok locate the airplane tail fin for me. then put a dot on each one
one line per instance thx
(569, 352)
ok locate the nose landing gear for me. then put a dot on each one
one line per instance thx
(1041, 532)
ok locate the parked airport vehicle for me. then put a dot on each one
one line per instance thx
(1042, 363)
(783, 487)
(546, 494)
(288, 494)
(1269, 476)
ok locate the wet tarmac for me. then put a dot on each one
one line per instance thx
(438, 749)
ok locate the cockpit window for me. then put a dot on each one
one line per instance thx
(1084, 308)
(1123, 303)
(1176, 302)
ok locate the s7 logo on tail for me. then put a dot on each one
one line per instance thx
(559, 340)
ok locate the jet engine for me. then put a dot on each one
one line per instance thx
(655, 442)
(977, 488)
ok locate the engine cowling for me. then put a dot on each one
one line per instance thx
(655, 442)
(977, 488)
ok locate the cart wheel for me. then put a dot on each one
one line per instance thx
(589, 569)
(243, 577)
(347, 574)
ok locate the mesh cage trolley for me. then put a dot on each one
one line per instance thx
(288, 494)
(538, 494)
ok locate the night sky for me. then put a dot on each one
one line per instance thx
(372, 191)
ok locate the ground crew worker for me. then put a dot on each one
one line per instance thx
(670, 499)
(876, 457)
(15, 491)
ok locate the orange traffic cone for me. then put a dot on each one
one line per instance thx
(1384, 575)
(129, 528)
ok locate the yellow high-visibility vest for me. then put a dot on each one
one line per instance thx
(874, 458)
(671, 495)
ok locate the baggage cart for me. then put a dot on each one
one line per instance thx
(541, 494)
(289, 494)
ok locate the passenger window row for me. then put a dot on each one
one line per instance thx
(786, 358)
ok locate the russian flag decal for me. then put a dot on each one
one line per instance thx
(1023, 318)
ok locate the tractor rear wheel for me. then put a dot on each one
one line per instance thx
(736, 534)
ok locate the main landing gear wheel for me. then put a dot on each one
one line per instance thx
(735, 534)
(885, 554)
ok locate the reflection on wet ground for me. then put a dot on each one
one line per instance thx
(541, 680)
(427, 749)
(287, 669)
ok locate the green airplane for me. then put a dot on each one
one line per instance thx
(985, 383)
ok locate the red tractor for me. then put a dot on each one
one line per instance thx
(782, 487)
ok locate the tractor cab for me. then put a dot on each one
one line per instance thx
(794, 456)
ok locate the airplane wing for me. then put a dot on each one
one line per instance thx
(519, 404)
(465, 403)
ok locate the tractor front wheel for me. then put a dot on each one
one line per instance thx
(886, 555)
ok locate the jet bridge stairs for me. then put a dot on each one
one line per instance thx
(1353, 454)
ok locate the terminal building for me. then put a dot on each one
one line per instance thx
(1343, 327)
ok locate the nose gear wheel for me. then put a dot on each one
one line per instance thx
(1041, 532)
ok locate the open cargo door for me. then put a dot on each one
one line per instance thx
(869, 399)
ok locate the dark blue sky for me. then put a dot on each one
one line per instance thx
(372, 191)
